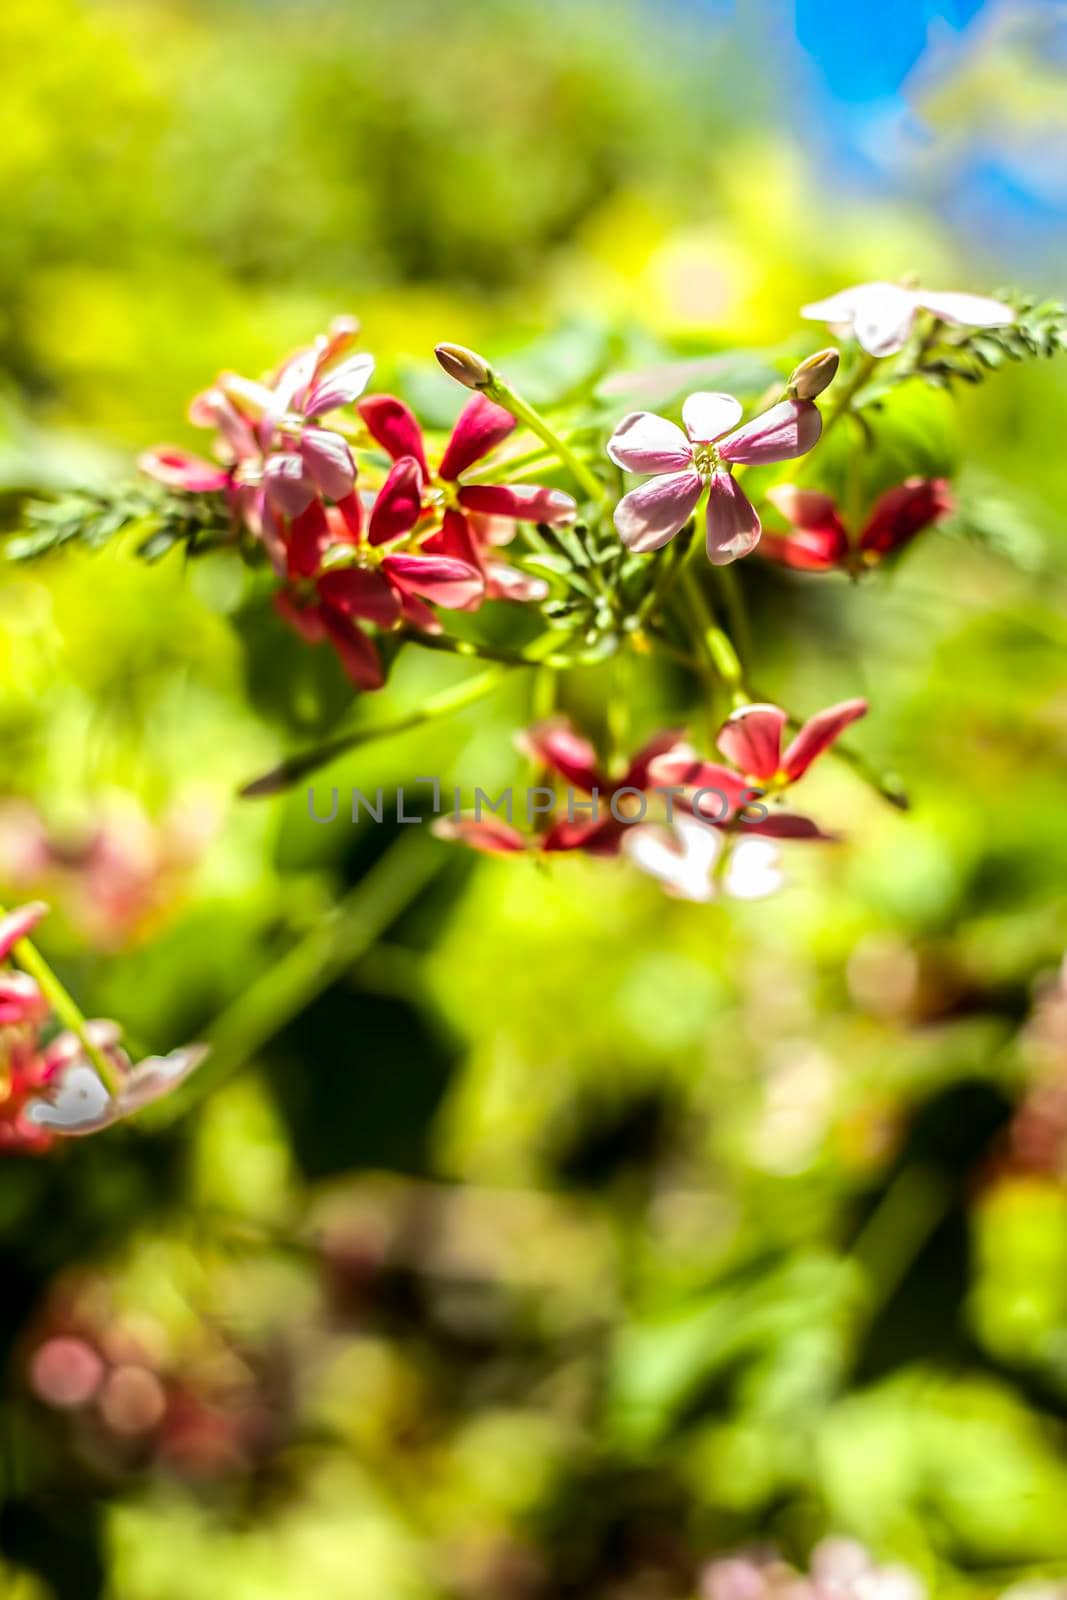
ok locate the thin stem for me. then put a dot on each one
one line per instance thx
(300, 766)
(332, 948)
(500, 390)
(66, 1010)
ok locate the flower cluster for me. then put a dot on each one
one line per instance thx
(818, 540)
(714, 837)
(347, 556)
(49, 1082)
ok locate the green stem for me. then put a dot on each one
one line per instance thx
(331, 949)
(67, 1010)
(300, 766)
(500, 390)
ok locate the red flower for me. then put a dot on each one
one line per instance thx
(818, 540)
(752, 739)
(463, 508)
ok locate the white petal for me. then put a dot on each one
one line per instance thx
(644, 442)
(681, 859)
(973, 310)
(752, 871)
(158, 1075)
(707, 415)
(78, 1103)
(650, 515)
(879, 315)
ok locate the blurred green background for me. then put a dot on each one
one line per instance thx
(553, 1237)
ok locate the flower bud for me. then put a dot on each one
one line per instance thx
(464, 365)
(815, 374)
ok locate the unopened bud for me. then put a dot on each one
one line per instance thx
(815, 374)
(464, 365)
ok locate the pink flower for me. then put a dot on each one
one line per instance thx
(557, 746)
(752, 739)
(73, 1100)
(460, 511)
(818, 540)
(881, 315)
(685, 464)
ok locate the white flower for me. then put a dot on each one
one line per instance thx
(683, 857)
(882, 315)
(76, 1101)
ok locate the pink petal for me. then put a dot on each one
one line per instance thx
(903, 512)
(19, 924)
(818, 734)
(288, 486)
(508, 583)
(681, 767)
(803, 552)
(393, 426)
(328, 461)
(340, 386)
(708, 415)
(786, 430)
(180, 470)
(308, 541)
(357, 655)
(448, 583)
(212, 409)
(973, 310)
(752, 739)
(481, 426)
(358, 593)
(527, 503)
(733, 527)
(490, 834)
(555, 744)
(649, 516)
(788, 825)
(20, 999)
(398, 505)
(643, 442)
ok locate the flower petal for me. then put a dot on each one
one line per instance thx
(398, 504)
(307, 620)
(288, 486)
(455, 538)
(879, 315)
(680, 857)
(602, 837)
(393, 425)
(555, 744)
(444, 581)
(481, 426)
(20, 999)
(489, 834)
(653, 750)
(818, 540)
(308, 541)
(972, 310)
(526, 503)
(752, 870)
(709, 415)
(803, 552)
(77, 1102)
(785, 431)
(509, 583)
(644, 442)
(19, 924)
(733, 526)
(328, 462)
(752, 739)
(818, 734)
(356, 592)
(681, 768)
(649, 516)
(178, 469)
(157, 1076)
(903, 512)
(357, 655)
(340, 386)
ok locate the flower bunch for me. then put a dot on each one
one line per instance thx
(65, 1080)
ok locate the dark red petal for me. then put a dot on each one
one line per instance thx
(308, 540)
(788, 825)
(603, 838)
(394, 426)
(357, 655)
(399, 503)
(305, 619)
(418, 615)
(358, 593)
(903, 512)
(527, 503)
(448, 583)
(349, 511)
(818, 734)
(481, 426)
(637, 774)
(455, 538)
(803, 551)
(555, 744)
